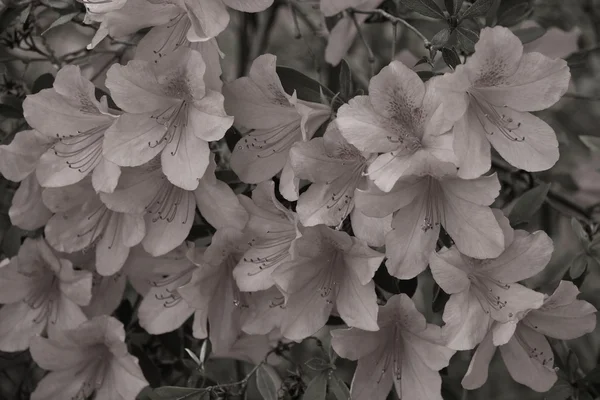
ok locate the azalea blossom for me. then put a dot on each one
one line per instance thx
(265, 312)
(194, 20)
(73, 124)
(82, 221)
(213, 292)
(494, 92)
(169, 111)
(483, 291)
(275, 121)
(406, 352)
(421, 205)
(329, 269)
(343, 34)
(402, 118)
(157, 280)
(523, 344)
(91, 359)
(41, 293)
(28, 210)
(274, 230)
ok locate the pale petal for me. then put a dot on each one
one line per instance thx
(124, 380)
(466, 321)
(28, 210)
(354, 343)
(64, 384)
(472, 147)
(20, 158)
(14, 286)
(68, 316)
(502, 333)
(19, 324)
(375, 203)
(75, 284)
(369, 382)
(106, 176)
(477, 374)
(306, 312)
(209, 17)
(418, 380)
(207, 118)
(106, 295)
(52, 355)
(224, 316)
(445, 270)
(357, 303)
(370, 229)
(341, 38)
(251, 6)
(533, 369)
(289, 184)
(482, 191)
(332, 7)
(160, 313)
(362, 260)
(185, 159)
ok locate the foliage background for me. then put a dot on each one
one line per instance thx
(38, 37)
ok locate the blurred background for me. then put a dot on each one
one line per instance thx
(38, 37)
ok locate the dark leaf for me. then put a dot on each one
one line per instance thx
(580, 231)
(392, 284)
(178, 393)
(318, 364)
(422, 60)
(268, 382)
(99, 93)
(150, 370)
(466, 38)
(450, 57)
(346, 83)
(562, 390)
(11, 243)
(530, 34)
(44, 81)
(306, 88)
(317, 388)
(478, 9)
(441, 38)
(339, 388)
(11, 106)
(453, 6)
(440, 298)
(528, 204)
(512, 12)
(424, 7)
(63, 19)
(578, 265)
(172, 342)
(425, 75)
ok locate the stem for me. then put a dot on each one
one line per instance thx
(371, 55)
(395, 19)
(394, 39)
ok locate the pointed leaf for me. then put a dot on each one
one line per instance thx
(346, 83)
(441, 38)
(317, 388)
(453, 6)
(63, 19)
(425, 7)
(338, 387)
(528, 204)
(478, 9)
(578, 266)
(306, 88)
(268, 382)
(467, 38)
(450, 57)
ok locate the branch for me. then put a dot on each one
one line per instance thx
(395, 20)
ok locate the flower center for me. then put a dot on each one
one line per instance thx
(489, 292)
(493, 120)
(434, 206)
(166, 201)
(174, 118)
(266, 143)
(393, 357)
(178, 27)
(276, 241)
(82, 151)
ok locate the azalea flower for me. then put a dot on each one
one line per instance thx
(196, 21)
(401, 117)
(523, 345)
(213, 292)
(169, 111)
(157, 280)
(494, 91)
(265, 312)
(91, 359)
(329, 269)
(73, 123)
(41, 293)
(275, 121)
(483, 291)
(169, 210)
(406, 352)
(423, 204)
(274, 230)
(343, 34)
(19, 158)
(28, 210)
(82, 221)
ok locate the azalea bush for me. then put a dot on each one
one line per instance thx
(284, 199)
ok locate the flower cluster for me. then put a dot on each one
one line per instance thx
(118, 190)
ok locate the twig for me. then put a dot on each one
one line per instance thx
(394, 39)
(394, 19)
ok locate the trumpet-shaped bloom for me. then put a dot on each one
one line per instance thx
(494, 92)
(73, 123)
(89, 359)
(422, 204)
(523, 345)
(41, 293)
(406, 352)
(483, 291)
(401, 117)
(28, 210)
(213, 292)
(169, 111)
(276, 121)
(329, 269)
(82, 221)
(273, 230)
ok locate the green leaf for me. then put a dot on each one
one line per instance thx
(338, 387)
(578, 265)
(441, 38)
(317, 388)
(306, 88)
(178, 393)
(528, 204)
(427, 8)
(63, 19)
(580, 232)
(11, 243)
(592, 142)
(512, 12)
(346, 82)
(318, 364)
(466, 38)
(528, 35)
(478, 9)
(150, 370)
(11, 106)
(268, 382)
(450, 57)
(453, 6)
(562, 390)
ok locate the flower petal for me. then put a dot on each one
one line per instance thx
(28, 210)
(185, 159)
(20, 158)
(445, 270)
(472, 147)
(466, 321)
(357, 303)
(477, 374)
